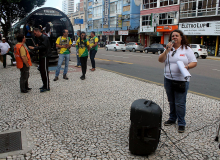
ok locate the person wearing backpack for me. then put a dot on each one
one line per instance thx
(63, 44)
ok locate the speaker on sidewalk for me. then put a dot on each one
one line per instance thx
(146, 117)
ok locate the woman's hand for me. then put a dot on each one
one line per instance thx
(169, 46)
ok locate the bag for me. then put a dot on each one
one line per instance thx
(68, 40)
(179, 86)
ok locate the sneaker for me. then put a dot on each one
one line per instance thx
(181, 129)
(169, 123)
(14, 62)
(82, 77)
(55, 79)
(76, 66)
(79, 66)
(65, 77)
(28, 89)
(44, 90)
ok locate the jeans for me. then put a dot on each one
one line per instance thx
(60, 61)
(24, 77)
(83, 61)
(177, 102)
(92, 57)
(44, 63)
(4, 57)
(78, 60)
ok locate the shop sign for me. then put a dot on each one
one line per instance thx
(106, 12)
(48, 13)
(119, 20)
(166, 28)
(108, 33)
(201, 28)
(147, 29)
(122, 32)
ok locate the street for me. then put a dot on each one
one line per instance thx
(204, 81)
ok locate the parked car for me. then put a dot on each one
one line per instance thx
(155, 47)
(199, 50)
(116, 45)
(134, 46)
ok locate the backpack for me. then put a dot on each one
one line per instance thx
(68, 40)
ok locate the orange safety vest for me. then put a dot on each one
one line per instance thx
(18, 56)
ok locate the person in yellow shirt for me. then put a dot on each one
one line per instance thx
(63, 44)
(94, 48)
(82, 44)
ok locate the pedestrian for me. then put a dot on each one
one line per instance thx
(77, 51)
(23, 60)
(175, 84)
(63, 44)
(94, 48)
(83, 46)
(28, 30)
(44, 51)
(5, 50)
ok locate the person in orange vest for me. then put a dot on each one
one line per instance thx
(23, 60)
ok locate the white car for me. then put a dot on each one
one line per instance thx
(116, 45)
(199, 50)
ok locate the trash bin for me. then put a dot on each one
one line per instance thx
(146, 117)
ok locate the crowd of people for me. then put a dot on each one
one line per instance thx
(175, 84)
(22, 58)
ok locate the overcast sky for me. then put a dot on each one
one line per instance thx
(56, 4)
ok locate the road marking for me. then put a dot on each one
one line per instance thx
(216, 70)
(159, 84)
(112, 60)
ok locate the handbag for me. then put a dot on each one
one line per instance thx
(178, 86)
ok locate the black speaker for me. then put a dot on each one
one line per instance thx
(146, 117)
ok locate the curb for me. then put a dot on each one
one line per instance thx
(213, 58)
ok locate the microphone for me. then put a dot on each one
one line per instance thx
(172, 43)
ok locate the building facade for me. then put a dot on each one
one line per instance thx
(200, 21)
(64, 6)
(81, 13)
(157, 19)
(114, 20)
(68, 6)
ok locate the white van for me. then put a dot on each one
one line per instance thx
(199, 50)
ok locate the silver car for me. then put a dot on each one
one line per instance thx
(134, 46)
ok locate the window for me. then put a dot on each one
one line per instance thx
(126, 1)
(146, 20)
(97, 11)
(121, 43)
(193, 46)
(167, 18)
(112, 22)
(97, 24)
(149, 4)
(168, 2)
(205, 7)
(116, 7)
(97, 1)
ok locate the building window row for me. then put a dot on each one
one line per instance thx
(153, 3)
(164, 18)
(116, 7)
(190, 8)
(97, 11)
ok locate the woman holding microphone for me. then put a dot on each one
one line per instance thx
(175, 84)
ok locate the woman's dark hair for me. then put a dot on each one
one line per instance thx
(184, 41)
(20, 37)
(47, 27)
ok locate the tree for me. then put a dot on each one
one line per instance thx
(13, 10)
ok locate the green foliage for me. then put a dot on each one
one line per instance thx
(13, 10)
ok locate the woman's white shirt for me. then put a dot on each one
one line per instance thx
(171, 70)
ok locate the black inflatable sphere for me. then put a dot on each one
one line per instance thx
(146, 117)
